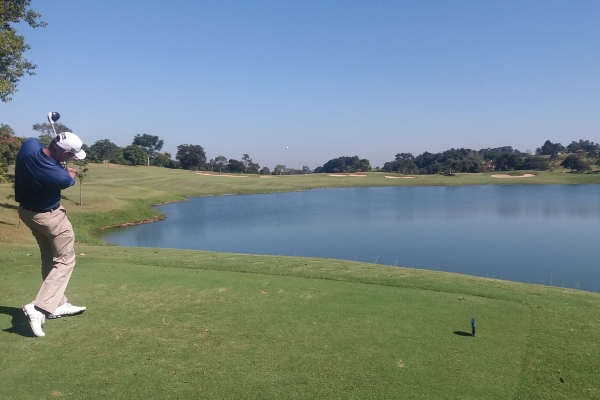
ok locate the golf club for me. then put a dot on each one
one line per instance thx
(53, 116)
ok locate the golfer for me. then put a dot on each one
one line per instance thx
(39, 179)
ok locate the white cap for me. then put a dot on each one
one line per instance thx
(70, 142)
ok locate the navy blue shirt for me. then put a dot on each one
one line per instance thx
(39, 178)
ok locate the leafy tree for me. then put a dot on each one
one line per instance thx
(451, 166)
(507, 162)
(435, 167)
(363, 165)
(536, 163)
(340, 164)
(490, 154)
(220, 163)
(105, 151)
(3, 176)
(390, 166)
(450, 161)
(461, 160)
(45, 140)
(9, 147)
(473, 162)
(250, 167)
(550, 148)
(467, 159)
(425, 162)
(334, 165)
(162, 160)
(592, 154)
(235, 166)
(582, 145)
(46, 131)
(85, 148)
(190, 156)
(574, 163)
(246, 160)
(135, 155)
(12, 46)
(305, 169)
(253, 168)
(151, 144)
(554, 158)
(265, 171)
(279, 169)
(573, 147)
(405, 163)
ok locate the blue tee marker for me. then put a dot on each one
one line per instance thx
(473, 326)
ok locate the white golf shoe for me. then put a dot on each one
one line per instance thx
(36, 319)
(65, 310)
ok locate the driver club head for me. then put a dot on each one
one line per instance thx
(53, 116)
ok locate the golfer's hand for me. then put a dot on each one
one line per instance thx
(72, 172)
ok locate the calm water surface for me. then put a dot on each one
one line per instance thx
(535, 234)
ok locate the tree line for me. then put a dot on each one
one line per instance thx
(146, 150)
(584, 154)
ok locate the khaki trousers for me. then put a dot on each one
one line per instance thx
(55, 237)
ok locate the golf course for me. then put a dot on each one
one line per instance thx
(181, 324)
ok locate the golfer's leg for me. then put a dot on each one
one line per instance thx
(46, 252)
(60, 232)
(41, 225)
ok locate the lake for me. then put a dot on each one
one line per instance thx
(545, 234)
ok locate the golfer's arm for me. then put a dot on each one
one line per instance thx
(72, 172)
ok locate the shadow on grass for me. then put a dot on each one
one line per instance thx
(9, 206)
(20, 325)
(460, 333)
(63, 197)
(7, 223)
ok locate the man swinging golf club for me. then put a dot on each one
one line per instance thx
(39, 179)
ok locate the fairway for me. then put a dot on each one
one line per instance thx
(175, 324)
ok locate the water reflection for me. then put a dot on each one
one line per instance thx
(521, 233)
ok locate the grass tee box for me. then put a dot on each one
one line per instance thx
(175, 324)
(184, 324)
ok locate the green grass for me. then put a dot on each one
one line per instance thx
(179, 324)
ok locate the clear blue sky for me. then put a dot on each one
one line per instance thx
(326, 78)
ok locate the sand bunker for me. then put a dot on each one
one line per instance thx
(504, 176)
(399, 177)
